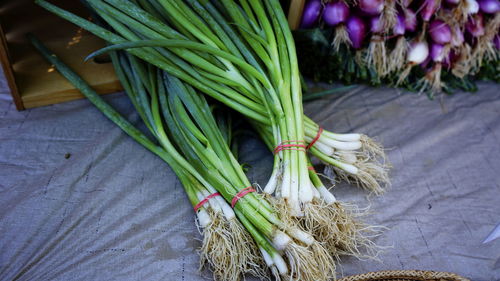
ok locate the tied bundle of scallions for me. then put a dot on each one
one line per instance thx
(243, 56)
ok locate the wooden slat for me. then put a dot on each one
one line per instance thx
(295, 13)
(41, 85)
(8, 71)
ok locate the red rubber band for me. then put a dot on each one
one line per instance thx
(241, 194)
(318, 135)
(202, 202)
(311, 168)
(286, 145)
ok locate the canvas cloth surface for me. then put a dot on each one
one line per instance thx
(79, 200)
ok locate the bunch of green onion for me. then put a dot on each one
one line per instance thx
(242, 55)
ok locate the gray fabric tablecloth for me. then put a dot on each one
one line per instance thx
(79, 200)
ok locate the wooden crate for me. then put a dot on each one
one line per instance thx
(31, 80)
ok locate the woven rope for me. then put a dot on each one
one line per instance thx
(405, 275)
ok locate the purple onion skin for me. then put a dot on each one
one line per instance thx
(489, 6)
(410, 20)
(496, 41)
(310, 16)
(426, 62)
(475, 25)
(440, 32)
(400, 27)
(335, 13)
(457, 38)
(452, 2)
(376, 25)
(371, 7)
(356, 29)
(437, 52)
(429, 9)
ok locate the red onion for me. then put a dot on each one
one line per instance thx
(437, 52)
(410, 20)
(376, 25)
(475, 25)
(310, 16)
(399, 28)
(356, 29)
(489, 6)
(335, 13)
(418, 52)
(457, 38)
(440, 32)
(371, 7)
(429, 9)
(452, 2)
(497, 42)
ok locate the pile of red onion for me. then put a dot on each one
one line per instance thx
(455, 36)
